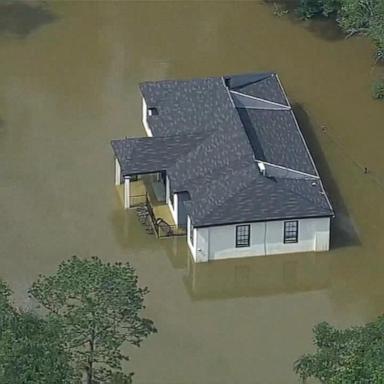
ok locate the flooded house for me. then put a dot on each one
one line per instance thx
(225, 164)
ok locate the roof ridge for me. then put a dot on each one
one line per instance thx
(293, 193)
(260, 99)
(212, 135)
(187, 135)
(206, 175)
(233, 193)
(273, 165)
(306, 195)
(208, 136)
(247, 78)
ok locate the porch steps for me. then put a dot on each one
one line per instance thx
(145, 218)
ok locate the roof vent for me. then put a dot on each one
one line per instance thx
(152, 111)
(261, 167)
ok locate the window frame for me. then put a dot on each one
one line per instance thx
(291, 232)
(243, 240)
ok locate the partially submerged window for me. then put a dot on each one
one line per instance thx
(243, 235)
(152, 111)
(291, 230)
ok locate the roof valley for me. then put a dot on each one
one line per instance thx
(217, 142)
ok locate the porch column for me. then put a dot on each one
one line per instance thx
(127, 192)
(117, 172)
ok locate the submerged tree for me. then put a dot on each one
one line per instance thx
(353, 355)
(99, 305)
(378, 89)
(310, 8)
(31, 349)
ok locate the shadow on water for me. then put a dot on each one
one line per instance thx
(325, 28)
(258, 276)
(343, 231)
(22, 18)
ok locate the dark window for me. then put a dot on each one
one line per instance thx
(242, 235)
(291, 231)
(191, 232)
(152, 111)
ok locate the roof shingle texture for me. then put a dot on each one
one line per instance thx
(210, 148)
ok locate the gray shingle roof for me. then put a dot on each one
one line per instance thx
(209, 143)
(149, 154)
(189, 106)
(266, 86)
(276, 138)
(261, 199)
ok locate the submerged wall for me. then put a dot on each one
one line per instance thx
(266, 238)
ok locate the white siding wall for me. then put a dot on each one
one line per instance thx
(117, 172)
(145, 119)
(190, 245)
(266, 238)
(173, 208)
(202, 244)
(127, 192)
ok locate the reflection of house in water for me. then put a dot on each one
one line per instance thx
(258, 276)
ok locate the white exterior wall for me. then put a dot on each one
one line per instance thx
(145, 119)
(127, 192)
(173, 208)
(190, 245)
(266, 238)
(117, 172)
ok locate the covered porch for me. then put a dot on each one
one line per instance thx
(147, 195)
(142, 183)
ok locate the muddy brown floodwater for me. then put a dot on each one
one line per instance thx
(68, 85)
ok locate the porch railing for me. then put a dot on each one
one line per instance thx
(160, 226)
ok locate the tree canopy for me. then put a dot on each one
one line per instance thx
(353, 355)
(99, 305)
(354, 16)
(31, 348)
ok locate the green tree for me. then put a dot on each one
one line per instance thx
(311, 8)
(31, 349)
(99, 305)
(353, 355)
(354, 17)
(5, 306)
(364, 17)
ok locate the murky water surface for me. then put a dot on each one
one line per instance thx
(68, 84)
